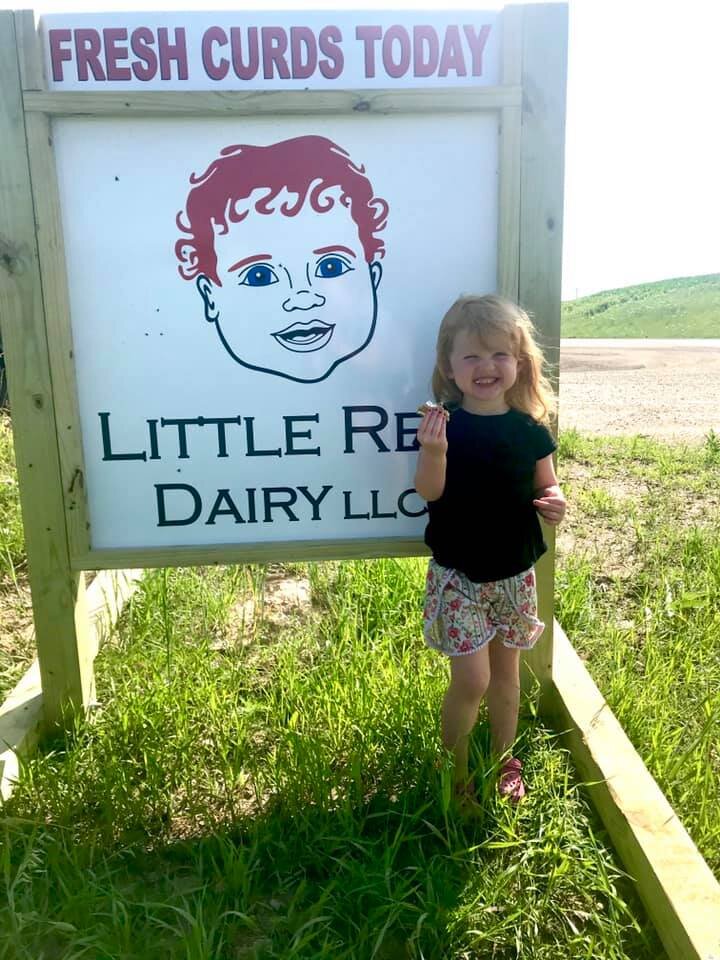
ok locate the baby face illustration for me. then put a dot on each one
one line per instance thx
(296, 296)
(282, 243)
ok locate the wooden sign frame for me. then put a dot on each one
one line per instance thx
(677, 888)
(527, 235)
(530, 102)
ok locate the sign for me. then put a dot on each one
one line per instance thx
(232, 238)
(254, 301)
(254, 308)
(270, 50)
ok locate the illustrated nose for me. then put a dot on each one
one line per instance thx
(303, 300)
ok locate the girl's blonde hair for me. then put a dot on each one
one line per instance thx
(487, 316)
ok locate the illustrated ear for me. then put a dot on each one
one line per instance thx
(375, 273)
(206, 289)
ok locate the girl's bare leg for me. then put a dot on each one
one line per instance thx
(503, 697)
(469, 678)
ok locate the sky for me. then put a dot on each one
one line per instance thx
(642, 186)
(642, 198)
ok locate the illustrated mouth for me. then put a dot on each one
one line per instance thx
(305, 337)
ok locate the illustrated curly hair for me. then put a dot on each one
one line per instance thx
(306, 167)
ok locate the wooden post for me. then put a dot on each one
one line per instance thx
(544, 72)
(58, 594)
(21, 715)
(509, 161)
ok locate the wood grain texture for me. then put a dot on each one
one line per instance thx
(53, 276)
(509, 160)
(678, 889)
(290, 552)
(269, 102)
(21, 721)
(58, 593)
(21, 715)
(28, 47)
(544, 77)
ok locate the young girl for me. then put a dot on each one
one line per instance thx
(486, 472)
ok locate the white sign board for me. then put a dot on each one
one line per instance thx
(271, 50)
(255, 300)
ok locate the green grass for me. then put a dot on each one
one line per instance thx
(252, 787)
(277, 794)
(12, 544)
(638, 591)
(685, 307)
(15, 613)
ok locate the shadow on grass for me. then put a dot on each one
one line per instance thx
(385, 876)
(378, 880)
(236, 797)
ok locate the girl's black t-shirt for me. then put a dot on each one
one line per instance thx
(484, 523)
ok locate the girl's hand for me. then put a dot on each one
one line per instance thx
(551, 505)
(431, 433)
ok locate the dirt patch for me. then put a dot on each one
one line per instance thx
(613, 544)
(667, 390)
(283, 600)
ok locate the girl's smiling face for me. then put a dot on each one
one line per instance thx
(483, 369)
(296, 296)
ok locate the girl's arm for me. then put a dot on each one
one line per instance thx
(432, 461)
(550, 501)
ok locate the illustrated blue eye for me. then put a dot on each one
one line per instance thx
(332, 266)
(259, 275)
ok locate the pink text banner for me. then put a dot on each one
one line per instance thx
(271, 50)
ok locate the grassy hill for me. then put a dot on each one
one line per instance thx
(684, 307)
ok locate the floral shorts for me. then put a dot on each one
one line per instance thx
(463, 617)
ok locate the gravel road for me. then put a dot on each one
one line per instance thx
(663, 388)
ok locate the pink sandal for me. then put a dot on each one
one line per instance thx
(510, 784)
